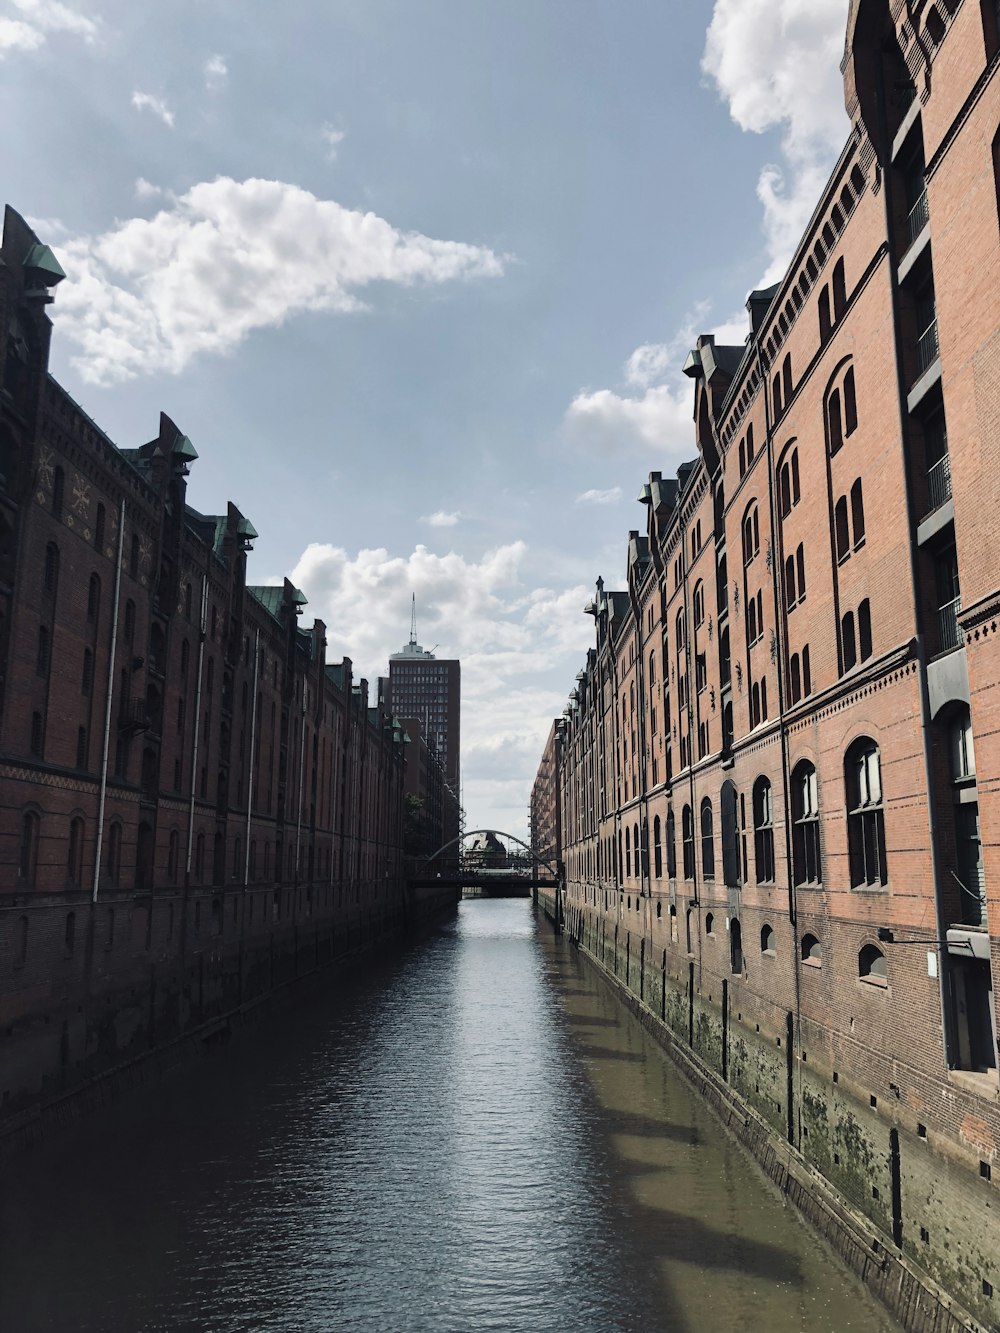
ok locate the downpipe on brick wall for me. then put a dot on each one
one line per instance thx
(106, 743)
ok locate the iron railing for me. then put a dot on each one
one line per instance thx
(938, 483)
(918, 217)
(949, 632)
(928, 347)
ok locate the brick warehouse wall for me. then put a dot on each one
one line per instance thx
(777, 771)
(196, 808)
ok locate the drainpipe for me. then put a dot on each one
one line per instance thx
(197, 724)
(944, 962)
(795, 1084)
(778, 551)
(302, 760)
(107, 705)
(253, 750)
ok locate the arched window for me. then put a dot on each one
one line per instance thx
(824, 315)
(839, 289)
(636, 845)
(767, 941)
(806, 864)
(850, 404)
(811, 951)
(657, 849)
(842, 530)
(680, 631)
(834, 422)
(763, 831)
(751, 534)
(699, 603)
(113, 861)
(791, 597)
(707, 840)
(687, 838)
(776, 395)
(872, 966)
(847, 643)
(129, 626)
(728, 818)
(74, 857)
(786, 377)
(50, 578)
(710, 923)
(865, 818)
(199, 858)
(87, 674)
(81, 747)
(93, 597)
(858, 514)
(735, 948)
(865, 630)
(28, 867)
(44, 654)
(671, 846)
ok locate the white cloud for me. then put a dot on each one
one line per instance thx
(658, 415)
(776, 64)
(145, 189)
(216, 71)
(159, 108)
(600, 497)
(39, 18)
(441, 518)
(18, 36)
(517, 644)
(333, 138)
(229, 257)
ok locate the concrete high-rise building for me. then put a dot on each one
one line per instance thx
(429, 690)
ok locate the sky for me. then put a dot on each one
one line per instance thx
(417, 278)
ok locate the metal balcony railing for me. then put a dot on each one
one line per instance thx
(949, 633)
(918, 218)
(132, 714)
(928, 347)
(938, 483)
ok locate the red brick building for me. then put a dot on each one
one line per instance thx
(195, 806)
(780, 767)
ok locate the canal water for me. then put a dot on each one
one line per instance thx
(475, 1135)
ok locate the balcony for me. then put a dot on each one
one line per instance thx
(949, 632)
(938, 483)
(928, 348)
(918, 218)
(132, 715)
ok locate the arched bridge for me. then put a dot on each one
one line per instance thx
(488, 867)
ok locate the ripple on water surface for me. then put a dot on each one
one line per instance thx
(474, 1136)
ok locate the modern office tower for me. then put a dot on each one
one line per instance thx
(429, 690)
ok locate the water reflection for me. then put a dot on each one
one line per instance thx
(475, 1136)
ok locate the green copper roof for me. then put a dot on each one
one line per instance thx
(41, 258)
(184, 449)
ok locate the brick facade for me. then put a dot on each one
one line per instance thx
(779, 767)
(194, 803)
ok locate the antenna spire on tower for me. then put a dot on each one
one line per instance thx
(413, 620)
